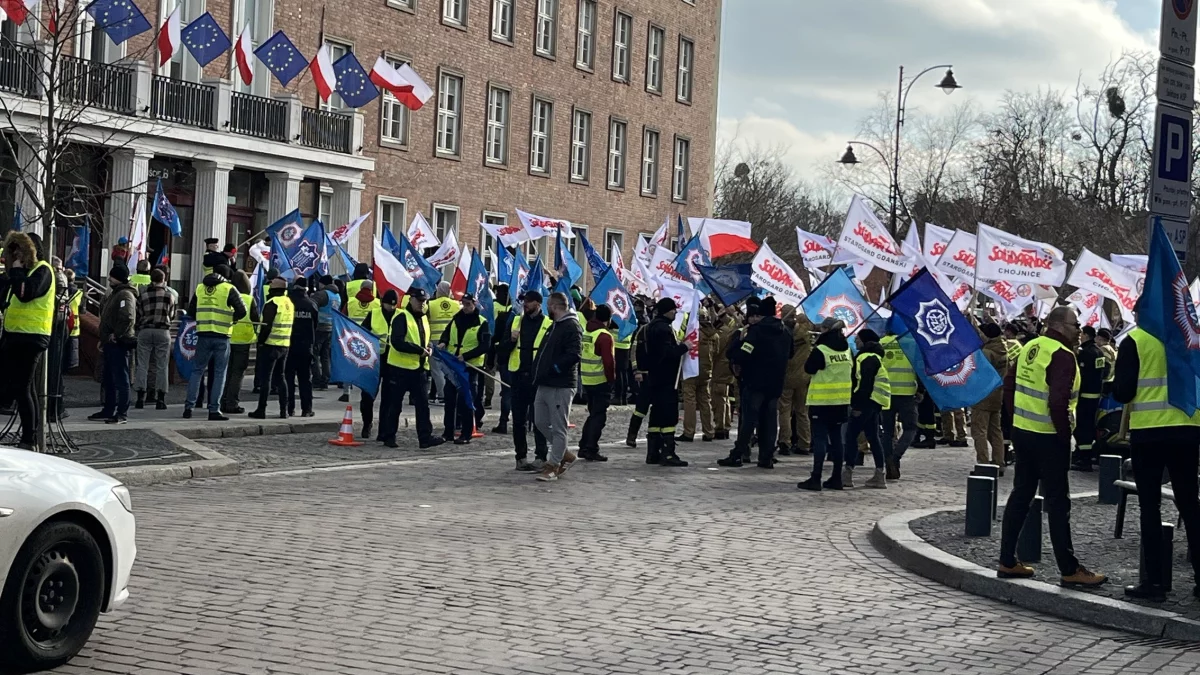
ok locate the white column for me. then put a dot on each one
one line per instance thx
(346, 206)
(31, 174)
(283, 194)
(208, 216)
(130, 173)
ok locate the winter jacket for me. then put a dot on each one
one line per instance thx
(119, 316)
(726, 326)
(304, 323)
(996, 353)
(763, 356)
(1124, 390)
(802, 339)
(558, 359)
(709, 338)
(233, 301)
(829, 414)
(860, 396)
(604, 348)
(1093, 369)
(662, 354)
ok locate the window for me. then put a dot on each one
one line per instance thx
(616, 154)
(546, 40)
(654, 53)
(393, 116)
(445, 219)
(449, 113)
(393, 215)
(585, 43)
(683, 80)
(488, 242)
(181, 66)
(336, 51)
(581, 140)
(401, 4)
(325, 206)
(649, 162)
(496, 143)
(502, 20)
(622, 34)
(572, 245)
(679, 174)
(539, 136)
(257, 14)
(454, 12)
(612, 237)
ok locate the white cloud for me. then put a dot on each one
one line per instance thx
(803, 150)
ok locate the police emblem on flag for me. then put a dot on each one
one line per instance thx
(480, 284)
(933, 322)
(358, 350)
(288, 234)
(304, 260)
(618, 303)
(413, 267)
(957, 375)
(842, 308)
(694, 257)
(1185, 312)
(188, 339)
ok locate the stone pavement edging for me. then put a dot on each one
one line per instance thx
(893, 537)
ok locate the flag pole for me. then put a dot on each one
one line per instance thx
(487, 374)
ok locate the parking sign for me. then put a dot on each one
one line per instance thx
(1171, 189)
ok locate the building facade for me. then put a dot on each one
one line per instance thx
(602, 113)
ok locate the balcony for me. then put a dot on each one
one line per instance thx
(325, 130)
(182, 102)
(258, 116)
(106, 86)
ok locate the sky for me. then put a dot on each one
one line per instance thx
(802, 74)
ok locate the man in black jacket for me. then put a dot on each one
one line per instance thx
(409, 358)
(468, 338)
(298, 365)
(526, 334)
(501, 349)
(661, 367)
(554, 374)
(1093, 371)
(761, 362)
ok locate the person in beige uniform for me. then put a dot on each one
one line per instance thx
(696, 395)
(726, 325)
(795, 386)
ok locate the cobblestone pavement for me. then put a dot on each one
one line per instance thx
(457, 564)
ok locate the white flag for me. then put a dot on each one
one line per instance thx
(1097, 275)
(1194, 289)
(691, 337)
(260, 252)
(1137, 263)
(421, 235)
(1012, 297)
(958, 260)
(615, 258)
(662, 236)
(641, 250)
(911, 249)
(815, 249)
(682, 293)
(539, 226)
(1003, 256)
(137, 231)
(936, 240)
(343, 233)
(662, 265)
(447, 253)
(863, 236)
(1091, 316)
(508, 235)
(775, 275)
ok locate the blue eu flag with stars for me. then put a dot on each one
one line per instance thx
(119, 19)
(281, 57)
(205, 39)
(353, 83)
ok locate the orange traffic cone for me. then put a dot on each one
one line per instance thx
(345, 437)
(475, 432)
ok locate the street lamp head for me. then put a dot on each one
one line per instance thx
(948, 83)
(848, 157)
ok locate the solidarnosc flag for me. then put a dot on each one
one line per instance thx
(839, 298)
(1165, 311)
(355, 355)
(943, 334)
(457, 370)
(610, 292)
(185, 347)
(961, 386)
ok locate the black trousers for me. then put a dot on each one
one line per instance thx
(239, 360)
(20, 362)
(272, 359)
(867, 423)
(927, 420)
(1085, 424)
(522, 416)
(621, 387)
(663, 416)
(322, 354)
(1040, 458)
(401, 382)
(757, 411)
(1181, 462)
(456, 413)
(366, 402)
(505, 395)
(599, 396)
(299, 367)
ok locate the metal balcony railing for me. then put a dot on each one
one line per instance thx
(100, 85)
(17, 69)
(180, 101)
(257, 116)
(326, 130)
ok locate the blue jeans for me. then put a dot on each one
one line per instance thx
(867, 423)
(826, 435)
(212, 348)
(116, 380)
(903, 408)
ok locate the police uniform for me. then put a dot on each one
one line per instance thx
(273, 339)
(902, 408)
(696, 389)
(409, 360)
(440, 311)
(831, 366)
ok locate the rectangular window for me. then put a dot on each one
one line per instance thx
(679, 173)
(539, 136)
(622, 38)
(612, 237)
(454, 12)
(502, 20)
(336, 51)
(683, 85)
(257, 14)
(585, 43)
(449, 113)
(393, 117)
(445, 219)
(654, 57)
(616, 154)
(546, 39)
(392, 215)
(325, 207)
(581, 141)
(496, 145)
(488, 243)
(649, 162)
(401, 4)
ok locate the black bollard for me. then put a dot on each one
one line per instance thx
(1110, 473)
(1029, 543)
(979, 505)
(1168, 533)
(991, 471)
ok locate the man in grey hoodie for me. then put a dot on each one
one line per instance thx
(554, 373)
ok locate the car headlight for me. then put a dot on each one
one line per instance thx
(122, 494)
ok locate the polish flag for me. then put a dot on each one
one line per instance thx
(17, 10)
(404, 84)
(458, 285)
(168, 38)
(389, 272)
(322, 72)
(243, 51)
(723, 237)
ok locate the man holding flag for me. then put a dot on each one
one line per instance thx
(466, 338)
(408, 356)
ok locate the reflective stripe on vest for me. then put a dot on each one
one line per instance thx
(1031, 401)
(881, 392)
(75, 302)
(244, 331)
(831, 384)
(1150, 408)
(380, 326)
(591, 366)
(357, 311)
(213, 313)
(469, 341)
(514, 359)
(35, 317)
(900, 372)
(281, 328)
(404, 360)
(439, 312)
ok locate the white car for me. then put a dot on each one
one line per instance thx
(66, 552)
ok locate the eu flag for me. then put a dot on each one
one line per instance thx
(458, 372)
(731, 283)
(839, 298)
(355, 355)
(1165, 311)
(205, 39)
(610, 292)
(165, 213)
(353, 83)
(597, 264)
(281, 57)
(961, 386)
(119, 19)
(943, 334)
(184, 348)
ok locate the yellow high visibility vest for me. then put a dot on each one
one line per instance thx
(357, 311)
(900, 372)
(618, 343)
(244, 331)
(139, 281)
(404, 360)
(353, 287)
(439, 312)
(281, 328)
(76, 302)
(1150, 408)
(213, 313)
(591, 366)
(1031, 402)
(514, 359)
(35, 317)
(831, 384)
(1110, 357)
(1012, 349)
(380, 326)
(470, 340)
(881, 393)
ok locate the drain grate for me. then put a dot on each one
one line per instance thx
(1159, 643)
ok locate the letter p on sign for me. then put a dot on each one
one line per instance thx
(1174, 148)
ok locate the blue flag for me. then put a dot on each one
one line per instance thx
(960, 386)
(17, 223)
(287, 230)
(458, 372)
(610, 292)
(687, 263)
(563, 285)
(260, 286)
(518, 282)
(341, 264)
(119, 19)
(1165, 311)
(353, 82)
(281, 57)
(504, 264)
(305, 256)
(279, 261)
(731, 283)
(477, 285)
(943, 334)
(425, 276)
(185, 347)
(564, 263)
(205, 39)
(536, 281)
(164, 213)
(355, 355)
(838, 297)
(595, 261)
(79, 257)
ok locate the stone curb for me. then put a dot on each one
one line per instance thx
(893, 537)
(211, 465)
(242, 430)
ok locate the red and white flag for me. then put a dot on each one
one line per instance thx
(462, 272)
(769, 271)
(936, 241)
(691, 338)
(1012, 297)
(508, 234)
(1004, 257)
(343, 233)
(243, 52)
(260, 251)
(723, 237)
(168, 38)
(863, 236)
(1097, 275)
(958, 260)
(641, 250)
(18, 10)
(137, 231)
(403, 83)
(1083, 300)
(540, 226)
(615, 258)
(420, 234)
(448, 252)
(322, 73)
(661, 236)
(389, 272)
(56, 10)
(815, 249)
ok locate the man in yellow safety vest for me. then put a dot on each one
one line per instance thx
(408, 357)
(468, 337)
(216, 306)
(274, 338)
(598, 371)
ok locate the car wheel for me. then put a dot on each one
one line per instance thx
(52, 597)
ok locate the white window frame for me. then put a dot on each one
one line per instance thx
(454, 13)
(400, 228)
(654, 58)
(337, 49)
(389, 106)
(609, 235)
(181, 66)
(440, 230)
(541, 130)
(618, 147)
(260, 31)
(650, 161)
(449, 121)
(622, 60)
(405, 5)
(683, 75)
(502, 20)
(581, 148)
(585, 35)
(496, 130)
(487, 243)
(681, 168)
(545, 35)
(325, 204)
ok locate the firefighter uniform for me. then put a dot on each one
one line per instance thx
(1093, 371)
(642, 402)
(664, 354)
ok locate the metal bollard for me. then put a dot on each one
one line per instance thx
(979, 505)
(1029, 543)
(991, 471)
(1110, 472)
(1168, 533)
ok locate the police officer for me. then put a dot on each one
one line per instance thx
(274, 338)
(760, 360)
(662, 367)
(440, 311)
(244, 335)
(795, 387)
(467, 337)
(1047, 387)
(1104, 340)
(408, 356)
(696, 389)
(1161, 437)
(216, 304)
(624, 368)
(297, 370)
(213, 258)
(526, 335)
(722, 377)
(903, 407)
(870, 393)
(830, 365)
(1093, 371)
